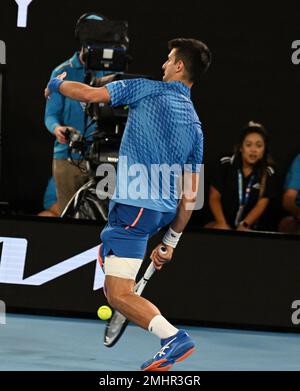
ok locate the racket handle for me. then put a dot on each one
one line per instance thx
(150, 270)
(138, 289)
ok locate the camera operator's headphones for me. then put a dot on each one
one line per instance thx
(86, 19)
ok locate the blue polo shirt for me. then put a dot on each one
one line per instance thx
(162, 134)
(64, 111)
(292, 180)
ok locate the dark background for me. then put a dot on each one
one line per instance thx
(252, 75)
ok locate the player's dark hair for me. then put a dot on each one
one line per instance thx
(195, 55)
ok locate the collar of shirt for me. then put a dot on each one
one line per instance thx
(75, 61)
(181, 87)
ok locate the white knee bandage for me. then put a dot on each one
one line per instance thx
(122, 267)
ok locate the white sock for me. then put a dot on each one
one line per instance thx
(160, 327)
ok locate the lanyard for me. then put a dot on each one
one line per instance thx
(244, 198)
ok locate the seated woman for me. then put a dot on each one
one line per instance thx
(244, 183)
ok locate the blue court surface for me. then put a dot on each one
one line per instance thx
(35, 343)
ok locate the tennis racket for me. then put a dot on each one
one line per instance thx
(117, 324)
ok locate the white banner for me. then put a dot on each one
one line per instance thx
(22, 12)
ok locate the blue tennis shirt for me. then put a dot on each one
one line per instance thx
(162, 134)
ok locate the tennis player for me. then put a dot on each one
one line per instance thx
(162, 129)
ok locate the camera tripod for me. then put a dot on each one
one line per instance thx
(89, 202)
(85, 204)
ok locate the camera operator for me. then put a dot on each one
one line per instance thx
(62, 117)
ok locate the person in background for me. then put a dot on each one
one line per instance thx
(291, 199)
(243, 184)
(63, 113)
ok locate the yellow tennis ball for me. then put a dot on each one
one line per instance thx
(104, 312)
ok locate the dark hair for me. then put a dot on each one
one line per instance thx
(195, 55)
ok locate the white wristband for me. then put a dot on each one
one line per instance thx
(171, 238)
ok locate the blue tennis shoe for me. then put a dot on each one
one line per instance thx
(173, 349)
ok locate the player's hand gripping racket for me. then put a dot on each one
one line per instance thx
(117, 324)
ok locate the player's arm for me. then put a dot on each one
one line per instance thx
(183, 215)
(84, 93)
(77, 91)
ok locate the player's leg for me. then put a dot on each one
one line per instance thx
(135, 308)
(120, 274)
(176, 344)
(176, 347)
